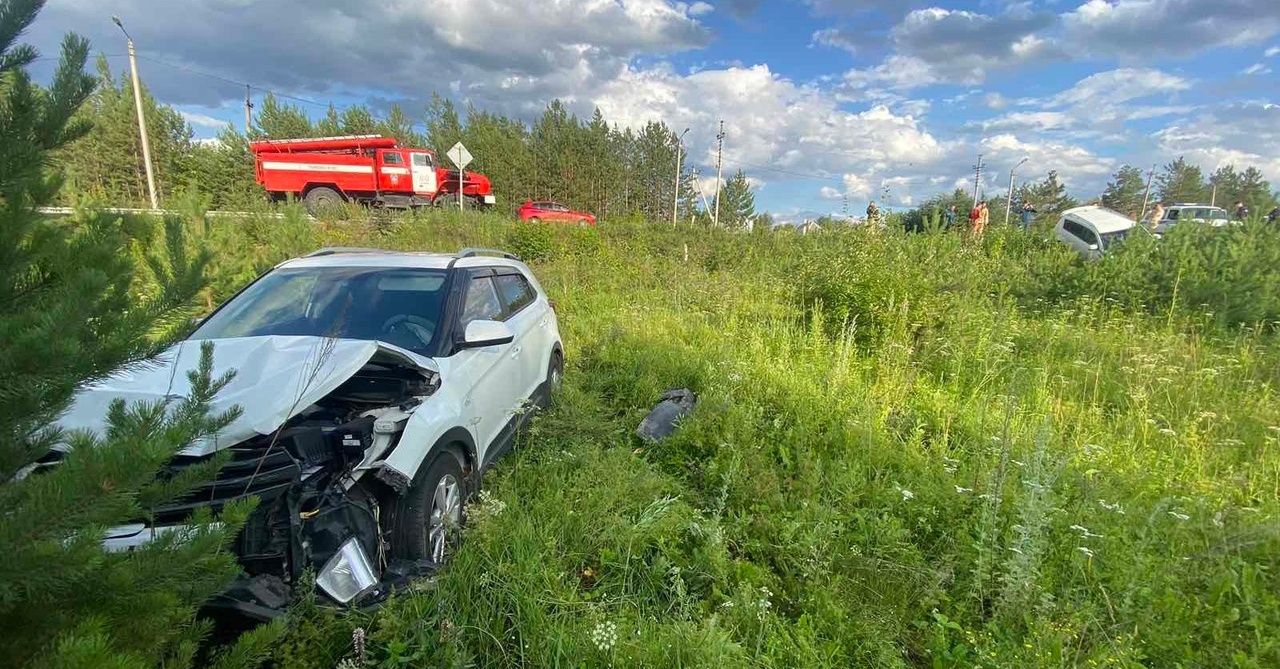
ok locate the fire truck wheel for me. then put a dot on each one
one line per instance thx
(322, 200)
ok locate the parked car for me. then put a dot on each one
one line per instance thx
(377, 387)
(1092, 230)
(553, 212)
(1197, 213)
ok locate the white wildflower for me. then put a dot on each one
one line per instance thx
(763, 603)
(1180, 516)
(906, 494)
(605, 635)
(1111, 507)
(1086, 550)
(963, 490)
(1085, 533)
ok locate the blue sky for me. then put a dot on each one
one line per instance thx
(823, 100)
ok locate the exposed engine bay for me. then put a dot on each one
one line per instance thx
(309, 479)
(319, 510)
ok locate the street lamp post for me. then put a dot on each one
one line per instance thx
(142, 121)
(675, 205)
(1008, 205)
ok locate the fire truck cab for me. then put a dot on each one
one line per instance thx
(368, 169)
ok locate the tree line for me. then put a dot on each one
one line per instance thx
(587, 164)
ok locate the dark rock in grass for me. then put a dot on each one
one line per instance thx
(661, 422)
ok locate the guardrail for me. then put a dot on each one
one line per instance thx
(67, 211)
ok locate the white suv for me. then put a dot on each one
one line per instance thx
(376, 388)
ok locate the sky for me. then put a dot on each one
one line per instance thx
(823, 101)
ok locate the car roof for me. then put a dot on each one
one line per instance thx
(359, 257)
(1102, 219)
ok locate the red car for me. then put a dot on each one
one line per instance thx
(554, 212)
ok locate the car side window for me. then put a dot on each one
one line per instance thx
(481, 303)
(515, 291)
(1172, 214)
(392, 159)
(421, 160)
(563, 208)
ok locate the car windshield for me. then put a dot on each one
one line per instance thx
(400, 306)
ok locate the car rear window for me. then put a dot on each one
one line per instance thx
(515, 291)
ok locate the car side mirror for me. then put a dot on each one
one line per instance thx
(480, 334)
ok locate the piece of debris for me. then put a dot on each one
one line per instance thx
(671, 407)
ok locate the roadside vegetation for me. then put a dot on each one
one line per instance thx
(910, 451)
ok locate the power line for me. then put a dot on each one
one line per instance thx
(233, 82)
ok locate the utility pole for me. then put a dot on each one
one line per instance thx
(1146, 197)
(675, 204)
(248, 109)
(142, 121)
(977, 179)
(719, 163)
(1009, 204)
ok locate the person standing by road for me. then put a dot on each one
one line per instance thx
(873, 214)
(1242, 211)
(949, 218)
(1028, 214)
(983, 217)
(1157, 215)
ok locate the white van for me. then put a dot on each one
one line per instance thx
(1090, 230)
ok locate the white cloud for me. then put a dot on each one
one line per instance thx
(505, 54)
(773, 125)
(1244, 133)
(203, 120)
(1273, 52)
(1144, 28)
(1256, 68)
(700, 9)
(834, 38)
(1098, 102)
(1119, 86)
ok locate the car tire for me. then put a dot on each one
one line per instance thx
(428, 517)
(322, 200)
(555, 378)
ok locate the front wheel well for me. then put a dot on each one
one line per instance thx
(306, 190)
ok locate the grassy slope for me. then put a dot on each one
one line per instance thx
(902, 457)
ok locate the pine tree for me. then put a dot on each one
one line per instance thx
(107, 164)
(1049, 196)
(74, 306)
(276, 120)
(1181, 182)
(737, 202)
(1125, 191)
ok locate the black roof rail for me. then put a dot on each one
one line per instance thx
(334, 250)
(471, 252)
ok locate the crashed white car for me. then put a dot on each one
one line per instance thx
(376, 388)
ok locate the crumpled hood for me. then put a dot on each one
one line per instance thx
(276, 379)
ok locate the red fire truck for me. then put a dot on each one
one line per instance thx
(369, 169)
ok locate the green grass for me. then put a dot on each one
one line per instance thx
(909, 451)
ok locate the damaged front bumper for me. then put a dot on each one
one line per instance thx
(311, 458)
